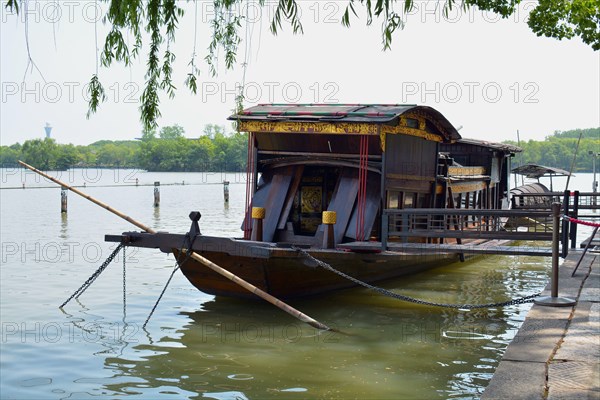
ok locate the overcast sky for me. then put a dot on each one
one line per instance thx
(490, 76)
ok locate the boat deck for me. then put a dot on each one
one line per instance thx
(489, 247)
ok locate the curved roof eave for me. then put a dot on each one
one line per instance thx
(379, 114)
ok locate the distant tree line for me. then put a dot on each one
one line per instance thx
(166, 151)
(557, 150)
(214, 150)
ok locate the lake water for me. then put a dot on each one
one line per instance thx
(196, 346)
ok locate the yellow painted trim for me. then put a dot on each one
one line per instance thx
(357, 128)
(404, 130)
(467, 187)
(423, 115)
(309, 127)
(329, 217)
(466, 171)
(412, 115)
(258, 213)
(407, 177)
(382, 140)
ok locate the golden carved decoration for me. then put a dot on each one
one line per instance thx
(309, 127)
(356, 128)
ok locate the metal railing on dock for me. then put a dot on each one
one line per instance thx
(531, 219)
(572, 200)
(431, 227)
(468, 224)
(574, 204)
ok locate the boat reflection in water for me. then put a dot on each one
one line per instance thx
(236, 349)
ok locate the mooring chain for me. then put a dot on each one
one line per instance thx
(385, 292)
(95, 275)
(178, 265)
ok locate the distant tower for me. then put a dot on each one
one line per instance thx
(48, 129)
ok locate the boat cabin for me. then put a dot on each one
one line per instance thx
(477, 173)
(306, 161)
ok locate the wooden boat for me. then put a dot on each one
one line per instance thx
(327, 179)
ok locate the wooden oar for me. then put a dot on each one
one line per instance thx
(204, 261)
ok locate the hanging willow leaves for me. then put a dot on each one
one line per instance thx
(96, 94)
(560, 19)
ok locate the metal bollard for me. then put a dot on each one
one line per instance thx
(329, 219)
(258, 214)
(553, 300)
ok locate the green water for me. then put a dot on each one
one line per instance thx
(199, 346)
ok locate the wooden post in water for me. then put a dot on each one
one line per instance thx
(63, 199)
(226, 191)
(156, 194)
(553, 300)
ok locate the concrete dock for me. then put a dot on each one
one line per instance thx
(556, 353)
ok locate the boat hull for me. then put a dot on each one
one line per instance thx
(288, 274)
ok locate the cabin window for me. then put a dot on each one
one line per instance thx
(412, 123)
(399, 200)
(393, 200)
(409, 200)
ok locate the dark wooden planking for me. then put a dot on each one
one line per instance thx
(273, 198)
(410, 163)
(410, 156)
(342, 201)
(289, 201)
(372, 207)
(314, 143)
(260, 196)
(286, 274)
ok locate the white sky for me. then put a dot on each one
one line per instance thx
(490, 76)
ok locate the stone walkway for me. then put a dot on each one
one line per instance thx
(556, 353)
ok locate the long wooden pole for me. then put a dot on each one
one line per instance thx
(220, 270)
(90, 198)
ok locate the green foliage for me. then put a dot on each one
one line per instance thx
(169, 151)
(590, 133)
(212, 151)
(96, 94)
(172, 132)
(565, 19)
(558, 149)
(8, 156)
(560, 19)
